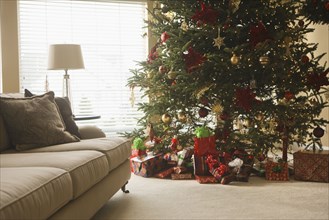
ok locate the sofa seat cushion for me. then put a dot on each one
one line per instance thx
(86, 168)
(116, 149)
(33, 192)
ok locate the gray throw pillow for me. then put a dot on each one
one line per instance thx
(4, 139)
(65, 110)
(34, 122)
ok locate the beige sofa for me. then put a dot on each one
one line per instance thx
(63, 181)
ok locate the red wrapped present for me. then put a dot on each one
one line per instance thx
(206, 179)
(276, 171)
(165, 173)
(171, 158)
(140, 154)
(180, 169)
(134, 153)
(312, 165)
(181, 176)
(147, 166)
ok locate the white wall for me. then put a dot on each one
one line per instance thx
(9, 46)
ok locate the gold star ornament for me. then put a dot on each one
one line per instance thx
(218, 42)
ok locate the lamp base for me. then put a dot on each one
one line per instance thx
(67, 88)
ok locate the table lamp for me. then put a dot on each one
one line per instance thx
(65, 57)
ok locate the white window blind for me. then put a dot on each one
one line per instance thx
(110, 34)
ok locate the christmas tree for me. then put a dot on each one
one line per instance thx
(241, 68)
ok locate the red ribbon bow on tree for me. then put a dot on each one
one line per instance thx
(318, 80)
(258, 33)
(206, 15)
(193, 59)
(245, 98)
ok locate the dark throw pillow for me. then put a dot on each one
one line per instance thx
(64, 107)
(34, 122)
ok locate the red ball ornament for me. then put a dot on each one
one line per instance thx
(289, 95)
(305, 58)
(164, 37)
(204, 101)
(203, 112)
(318, 132)
(261, 157)
(301, 23)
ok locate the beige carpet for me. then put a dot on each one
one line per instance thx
(152, 198)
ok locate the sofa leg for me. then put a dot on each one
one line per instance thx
(123, 188)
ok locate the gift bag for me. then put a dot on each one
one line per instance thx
(204, 142)
(205, 146)
(202, 148)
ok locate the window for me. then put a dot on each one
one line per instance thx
(110, 34)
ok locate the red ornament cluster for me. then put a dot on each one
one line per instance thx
(193, 59)
(245, 98)
(153, 54)
(258, 33)
(206, 15)
(317, 80)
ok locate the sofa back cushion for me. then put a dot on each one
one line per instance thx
(4, 139)
(5, 143)
(34, 122)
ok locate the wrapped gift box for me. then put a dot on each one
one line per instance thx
(181, 176)
(311, 165)
(165, 173)
(276, 171)
(171, 158)
(148, 166)
(184, 154)
(206, 179)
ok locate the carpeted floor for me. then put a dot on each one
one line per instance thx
(152, 198)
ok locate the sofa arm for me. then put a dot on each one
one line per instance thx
(89, 132)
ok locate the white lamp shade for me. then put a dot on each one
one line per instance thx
(65, 57)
